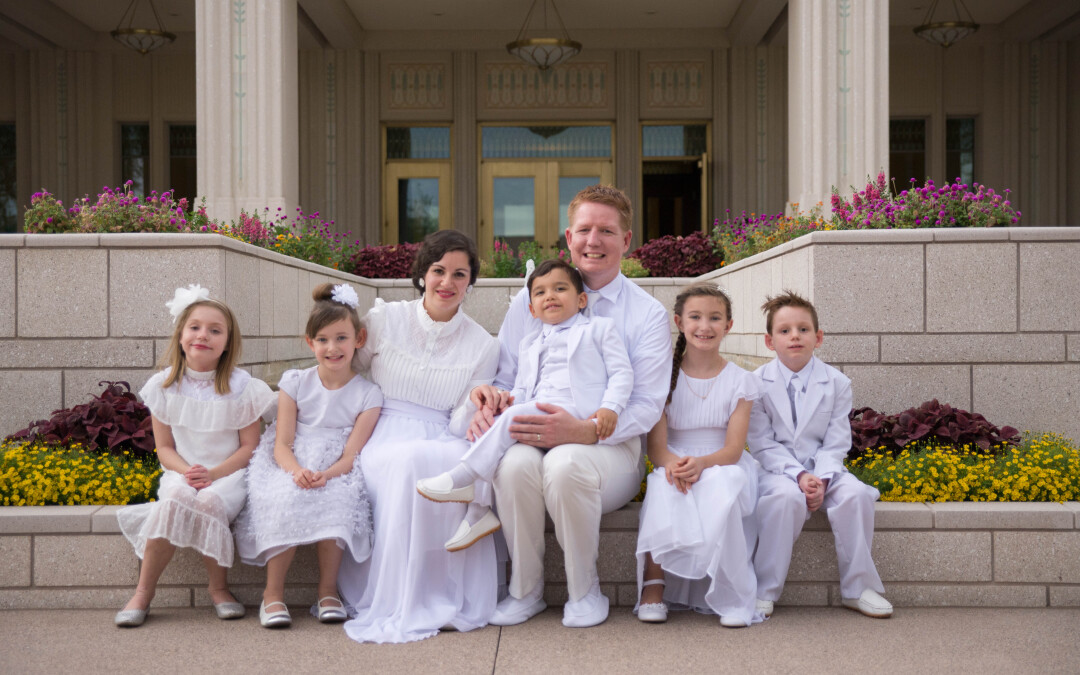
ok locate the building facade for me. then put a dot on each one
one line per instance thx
(392, 119)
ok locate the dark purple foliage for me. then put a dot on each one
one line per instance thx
(384, 262)
(672, 256)
(112, 422)
(932, 421)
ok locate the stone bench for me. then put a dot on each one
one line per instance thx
(957, 554)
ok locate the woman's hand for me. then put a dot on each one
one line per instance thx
(491, 397)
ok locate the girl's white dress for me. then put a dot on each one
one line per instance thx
(205, 427)
(280, 515)
(411, 586)
(704, 539)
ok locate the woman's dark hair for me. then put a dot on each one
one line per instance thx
(438, 244)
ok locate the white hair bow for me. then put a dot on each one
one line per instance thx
(184, 297)
(345, 295)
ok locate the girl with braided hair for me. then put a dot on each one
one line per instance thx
(697, 531)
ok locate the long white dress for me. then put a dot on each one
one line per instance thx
(704, 539)
(279, 514)
(205, 426)
(411, 586)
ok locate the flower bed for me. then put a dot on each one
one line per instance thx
(36, 473)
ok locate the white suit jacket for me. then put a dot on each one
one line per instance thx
(823, 437)
(600, 371)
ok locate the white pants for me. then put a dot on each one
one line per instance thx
(577, 484)
(781, 512)
(484, 455)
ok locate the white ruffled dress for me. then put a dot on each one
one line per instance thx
(205, 427)
(411, 586)
(280, 515)
(704, 539)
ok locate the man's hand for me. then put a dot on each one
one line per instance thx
(557, 427)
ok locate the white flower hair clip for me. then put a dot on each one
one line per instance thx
(184, 297)
(345, 295)
(530, 267)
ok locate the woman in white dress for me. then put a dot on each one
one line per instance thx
(697, 530)
(426, 355)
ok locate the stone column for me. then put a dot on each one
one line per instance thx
(838, 96)
(246, 105)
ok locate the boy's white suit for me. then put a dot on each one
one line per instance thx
(600, 377)
(817, 444)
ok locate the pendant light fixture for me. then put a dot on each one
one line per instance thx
(546, 48)
(142, 40)
(945, 33)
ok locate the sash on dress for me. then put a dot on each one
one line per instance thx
(400, 408)
(696, 439)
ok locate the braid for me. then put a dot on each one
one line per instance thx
(676, 363)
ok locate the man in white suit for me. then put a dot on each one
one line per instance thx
(571, 360)
(800, 434)
(580, 477)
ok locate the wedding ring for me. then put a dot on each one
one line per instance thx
(537, 437)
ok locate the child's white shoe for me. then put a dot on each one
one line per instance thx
(441, 489)
(467, 534)
(278, 619)
(331, 613)
(870, 603)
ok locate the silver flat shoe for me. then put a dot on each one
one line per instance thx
(331, 613)
(229, 610)
(278, 619)
(130, 618)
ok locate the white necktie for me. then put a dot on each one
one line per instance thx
(795, 394)
(593, 297)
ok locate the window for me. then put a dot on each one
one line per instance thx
(9, 211)
(907, 152)
(182, 162)
(552, 141)
(960, 149)
(135, 156)
(416, 179)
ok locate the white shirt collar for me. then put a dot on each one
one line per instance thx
(804, 374)
(611, 290)
(550, 328)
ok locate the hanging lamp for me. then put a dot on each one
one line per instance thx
(546, 49)
(945, 33)
(142, 40)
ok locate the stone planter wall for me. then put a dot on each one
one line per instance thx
(929, 555)
(79, 308)
(984, 319)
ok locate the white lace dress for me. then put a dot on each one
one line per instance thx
(280, 515)
(205, 427)
(411, 586)
(704, 539)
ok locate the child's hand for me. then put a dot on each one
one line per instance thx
(198, 476)
(689, 469)
(814, 490)
(318, 479)
(305, 478)
(481, 422)
(669, 473)
(605, 422)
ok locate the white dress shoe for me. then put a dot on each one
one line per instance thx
(591, 610)
(652, 612)
(278, 619)
(229, 610)
(764, 606)
(870, 603)
(331, 613)
(130, 618)
(512, 611)
(732, 622)
(441, 489)
(467, 535)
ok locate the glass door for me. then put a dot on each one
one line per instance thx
(417, 200)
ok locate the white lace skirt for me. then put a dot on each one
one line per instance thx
(188, 518)
(704, 539)
(411, 586)
(280, 515)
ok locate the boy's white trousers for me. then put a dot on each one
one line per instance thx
(781, 512)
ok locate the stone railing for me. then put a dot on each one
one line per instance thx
(79, 308)
(928, 555)
(983, 319)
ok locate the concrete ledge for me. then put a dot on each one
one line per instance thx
(955, 554)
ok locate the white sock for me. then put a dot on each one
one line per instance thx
(462, 476)
(475, 513)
